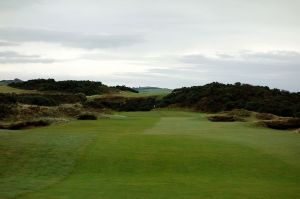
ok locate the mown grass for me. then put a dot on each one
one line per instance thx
(158, 154)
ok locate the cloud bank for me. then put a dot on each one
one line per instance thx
(11, 57)
(68, 39)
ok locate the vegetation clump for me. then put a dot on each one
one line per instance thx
(224, 118)
(25, 125)
(266, 116)
(230, 116)
(70, 86)
(239, 113)
(119, 103)
(6, 111)
(87, 116)
(282, 123)
(217, 97)
(42, 99)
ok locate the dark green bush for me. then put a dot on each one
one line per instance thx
(265, 116)
(87, 116)
(25, 125)
(37, 100)
(216, 97)
(224, 118)
(283, 123)
(69, 86)
(123, 104)
(7, 98)
(6, 111)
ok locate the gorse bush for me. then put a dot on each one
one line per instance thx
(42, 99)
(7, 98)
(70, 86)
(283, 123)
(123, 104)
(6, 111)
(37, 100)
(87, 116)
(216, 97)
(25, 125)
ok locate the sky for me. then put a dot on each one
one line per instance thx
(165, 43)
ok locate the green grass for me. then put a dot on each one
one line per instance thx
(155, 90)
(151, 155)
(8, 89)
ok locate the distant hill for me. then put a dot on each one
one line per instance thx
(6, 82)
(154, 90)
(216, 97)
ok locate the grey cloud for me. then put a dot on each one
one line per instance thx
(5, 43)
(9, 57)
(247, 59)
(13, 4)
(76, 40)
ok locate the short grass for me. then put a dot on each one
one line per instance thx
(150, 155)
(8, 89)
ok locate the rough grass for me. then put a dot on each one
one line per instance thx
(8, 89)
(158, 154)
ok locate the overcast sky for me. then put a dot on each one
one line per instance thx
(166, 43)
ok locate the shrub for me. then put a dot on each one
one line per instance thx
(283, 123)
(265, 116)
(6, 111)
(123, 104)
(239, 113)
(50, 99)
(69, 86)
(224, 118)
(87, 116)
(37, 100)
(217, 97)
(25, 125)
(7, 98)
